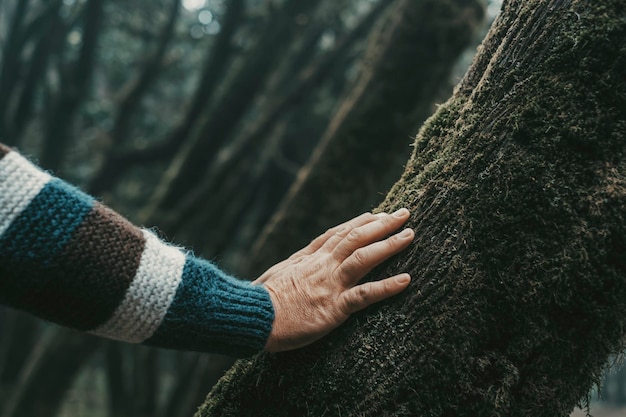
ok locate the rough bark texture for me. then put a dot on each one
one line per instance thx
(517, 187)
(406, 64)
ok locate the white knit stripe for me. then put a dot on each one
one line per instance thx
(149, 295)
(20, 182)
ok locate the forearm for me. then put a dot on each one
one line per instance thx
(68, 259)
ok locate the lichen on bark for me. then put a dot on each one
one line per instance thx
(517, 187)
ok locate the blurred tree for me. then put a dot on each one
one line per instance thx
(406, 65)
(48, 373)
(73, 85)
(244, 163)
(215, 128)
(118, 160)
(517, 187)
(40, 32)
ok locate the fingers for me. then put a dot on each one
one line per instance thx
(362, 260)
(319, 241)
(341, 231)
(361, 296)
(368, 233)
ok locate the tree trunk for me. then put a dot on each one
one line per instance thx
(517, 187)
(406, 64)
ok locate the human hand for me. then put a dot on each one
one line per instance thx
(315, 290)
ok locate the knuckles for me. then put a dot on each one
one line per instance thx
(356, 236)
(356, 298)
(361, 257)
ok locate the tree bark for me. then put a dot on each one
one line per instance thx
(407, 62)
(517, 187)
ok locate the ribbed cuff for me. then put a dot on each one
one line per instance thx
(215, 312)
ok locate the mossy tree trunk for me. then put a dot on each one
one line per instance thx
(517, 187)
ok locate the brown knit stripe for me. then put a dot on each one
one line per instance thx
(3, 150)
(89, 279)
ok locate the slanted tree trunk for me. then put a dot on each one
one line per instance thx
(517, 187)
(406, 64)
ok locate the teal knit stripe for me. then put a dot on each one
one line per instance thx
(214, 311)
(33, 240)
(47, 224)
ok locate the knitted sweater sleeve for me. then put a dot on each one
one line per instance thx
(68, 259)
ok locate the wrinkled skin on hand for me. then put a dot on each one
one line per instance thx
(315, 290)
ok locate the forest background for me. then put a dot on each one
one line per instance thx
(204, 119)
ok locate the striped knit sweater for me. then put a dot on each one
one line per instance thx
(68, 259)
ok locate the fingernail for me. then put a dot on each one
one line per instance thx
(403, 279)
(405, 234)
(401, 213)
